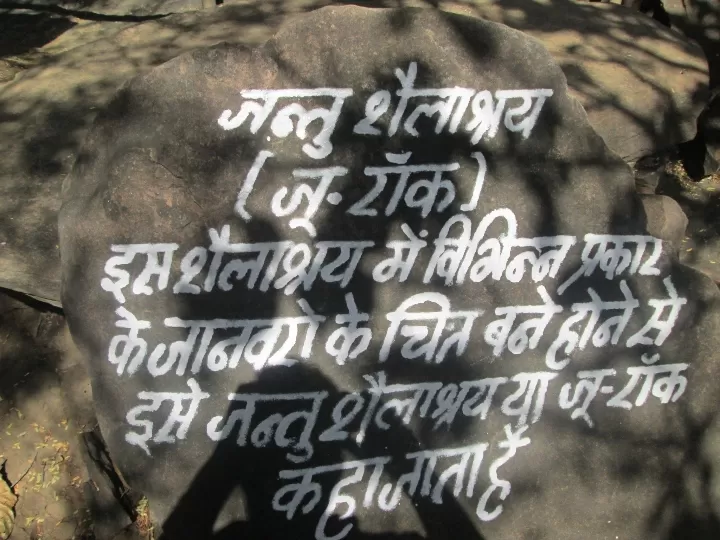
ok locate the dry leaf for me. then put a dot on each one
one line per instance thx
(7, 512)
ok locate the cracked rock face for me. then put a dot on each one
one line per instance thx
(381, 278)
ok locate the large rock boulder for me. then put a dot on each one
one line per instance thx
(641, 85)
(380, 277)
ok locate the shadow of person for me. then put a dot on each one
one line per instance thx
(239, 492)
(232, 494)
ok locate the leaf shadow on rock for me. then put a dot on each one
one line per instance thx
(700, 20)
(664, 459)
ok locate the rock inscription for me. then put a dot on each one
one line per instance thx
(382, 292)
(425, 327)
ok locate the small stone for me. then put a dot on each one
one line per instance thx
(58, 509)
(665, 219)
(66, 529)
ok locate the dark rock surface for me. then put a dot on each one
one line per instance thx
(298, 398)
(710, 127)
